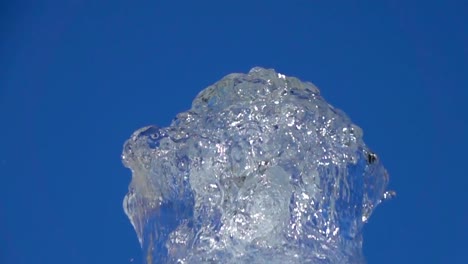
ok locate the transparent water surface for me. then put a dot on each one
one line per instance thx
(261, 169)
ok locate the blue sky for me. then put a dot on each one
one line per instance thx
(78, 77)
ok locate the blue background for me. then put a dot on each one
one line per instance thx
(78, 77)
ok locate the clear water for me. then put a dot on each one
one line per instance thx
(261, 169)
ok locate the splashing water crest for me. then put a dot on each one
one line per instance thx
(261, 169)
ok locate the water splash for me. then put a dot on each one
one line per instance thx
(261, 169)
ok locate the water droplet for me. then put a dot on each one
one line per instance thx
(388, 195)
